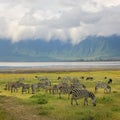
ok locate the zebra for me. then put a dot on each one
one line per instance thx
(55, 88)
(106, 87)
(73, 86)
(78, 93)
(82, 77)
(89, 78)
(65, 79)
(75, 80)
(15, 86)
(63, 88)
(35, 87)
(8, 86)
(109, 81)
(41, 78)
(12, 86)
(79, 85)
(47, 83)
(26, 87)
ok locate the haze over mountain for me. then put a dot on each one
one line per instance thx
(92, 48)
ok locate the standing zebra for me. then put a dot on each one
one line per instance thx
(78, 93)
(36, 86)
(63, 88)
(103, 85)
(26, 87)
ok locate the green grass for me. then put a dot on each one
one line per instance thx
(46, 106)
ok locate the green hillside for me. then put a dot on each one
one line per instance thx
(92, 48)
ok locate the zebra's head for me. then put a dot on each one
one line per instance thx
(109, 81)
(92, 96)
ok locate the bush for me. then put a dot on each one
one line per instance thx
(39, 99)
(42, 101)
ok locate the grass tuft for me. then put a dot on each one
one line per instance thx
(105, 99)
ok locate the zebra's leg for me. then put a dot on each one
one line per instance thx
(105, 90)
(109, 89)
(53, 91)
(23, 90)
(46, 90)
(33, 90)
(60, 93)
(6, 87)
(68, 95)
(28, 90)
(57, 90)
(96, 89)
(85, 101)
(50, 90)
(71, 100)
(76, 101)
(11, 90)
(16, 89)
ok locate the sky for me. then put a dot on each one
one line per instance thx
(72, 20)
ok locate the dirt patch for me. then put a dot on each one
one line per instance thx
(18, 111)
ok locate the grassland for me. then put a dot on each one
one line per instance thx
(45, 106)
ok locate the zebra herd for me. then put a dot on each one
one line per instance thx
(67, 85)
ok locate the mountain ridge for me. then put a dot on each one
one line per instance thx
(91, 49)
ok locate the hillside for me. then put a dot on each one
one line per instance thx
(92, 48)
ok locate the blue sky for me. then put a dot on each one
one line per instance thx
(58, 19)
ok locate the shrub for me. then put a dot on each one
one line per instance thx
(39, 99)
(42, 101)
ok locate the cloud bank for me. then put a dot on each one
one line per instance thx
(58, 19)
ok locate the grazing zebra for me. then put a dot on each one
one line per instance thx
(105, 77)
(41, 78)
(82, 77)
(103, 85)
(78, 93)
(109, 81)
(73, 86)
(58, 78)
(89, 78)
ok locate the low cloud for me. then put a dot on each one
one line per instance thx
(58, 19)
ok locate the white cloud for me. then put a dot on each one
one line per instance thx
(58, 19)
